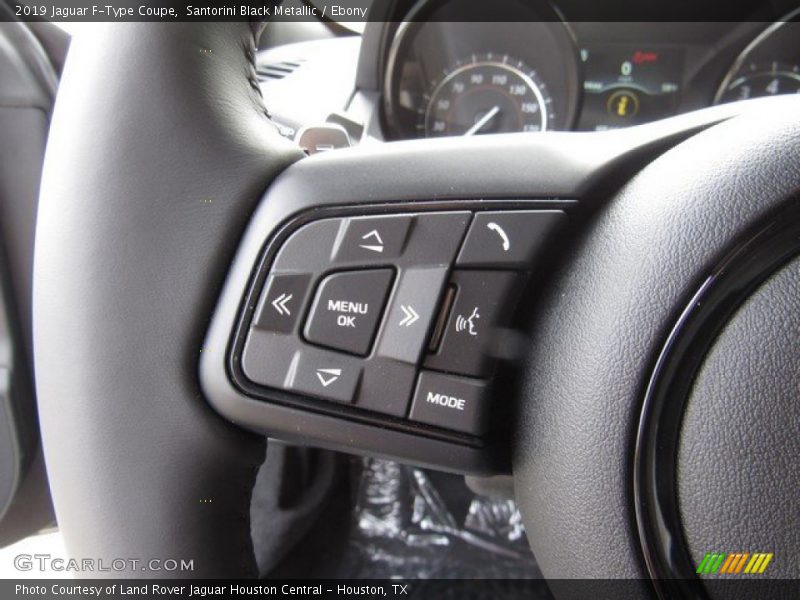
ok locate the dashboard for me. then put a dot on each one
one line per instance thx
(536, 71)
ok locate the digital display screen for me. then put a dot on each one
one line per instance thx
(628, 85)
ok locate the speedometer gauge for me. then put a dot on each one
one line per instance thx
(486, 94)
(447, 75)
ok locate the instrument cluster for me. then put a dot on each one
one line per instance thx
(535, 72)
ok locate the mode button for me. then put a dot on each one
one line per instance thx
(450, 402)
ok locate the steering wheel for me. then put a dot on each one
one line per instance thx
(656, 416)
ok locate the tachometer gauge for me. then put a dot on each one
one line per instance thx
(486, 94)
(768, 66)
(759, 79)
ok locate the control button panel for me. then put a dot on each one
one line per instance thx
(451, 402)
(346, 309)
(508, 239)
(483, 303)
(397, 317)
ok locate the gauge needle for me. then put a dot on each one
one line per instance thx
(480, 123)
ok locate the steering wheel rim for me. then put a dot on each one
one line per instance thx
(176, 144)
(607, 318)
(151, 203)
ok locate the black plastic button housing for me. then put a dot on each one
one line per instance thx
(393, 336)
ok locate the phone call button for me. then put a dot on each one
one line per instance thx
(508, 239)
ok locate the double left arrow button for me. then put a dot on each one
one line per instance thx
(281, 301)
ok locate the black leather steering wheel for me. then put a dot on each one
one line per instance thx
(160, 151)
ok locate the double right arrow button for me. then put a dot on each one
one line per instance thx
(410, 316)
(412, 311)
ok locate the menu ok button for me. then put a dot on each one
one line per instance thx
(347, 309)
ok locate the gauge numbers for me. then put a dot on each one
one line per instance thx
(759, 79)
(486, 94)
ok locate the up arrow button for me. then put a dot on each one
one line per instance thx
(366, 240)
(375, 242)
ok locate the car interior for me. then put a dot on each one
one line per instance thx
(452, 292)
